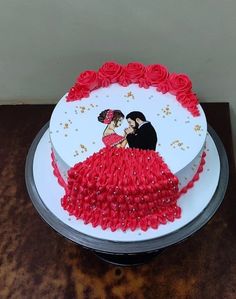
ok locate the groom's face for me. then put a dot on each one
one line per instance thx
(132, 123)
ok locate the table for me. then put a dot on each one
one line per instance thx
(35, 260)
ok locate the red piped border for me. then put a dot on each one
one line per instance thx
(195, 177)
(56, 172)
(155, 75)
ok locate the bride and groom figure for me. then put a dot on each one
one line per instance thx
(139, 134)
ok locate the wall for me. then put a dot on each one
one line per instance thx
(45, 44)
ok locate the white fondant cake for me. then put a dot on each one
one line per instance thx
(76, 135)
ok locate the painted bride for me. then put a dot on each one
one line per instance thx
(113, 120)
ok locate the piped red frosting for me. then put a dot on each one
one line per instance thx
(155, 75)
(165, 209)
(122, 189)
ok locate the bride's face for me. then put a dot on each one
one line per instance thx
(119, 122)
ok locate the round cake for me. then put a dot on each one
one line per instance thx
(127, 141)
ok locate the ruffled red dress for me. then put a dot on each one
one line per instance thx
(122, 188)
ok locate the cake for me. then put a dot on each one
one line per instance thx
(127, 142)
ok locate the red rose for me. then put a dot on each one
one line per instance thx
(156, 74)
(143, 83)
(88, 79)
(189, 101)
(163, 87)
(134, 71)
(124, 80)
(77, 92)
(179, 82)
(109, 73)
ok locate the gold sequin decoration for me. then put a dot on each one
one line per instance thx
(166, 110)
(83, 148)
(198, 129)
(76, 153)
(83, 109)
(129, 95)
(178, 144)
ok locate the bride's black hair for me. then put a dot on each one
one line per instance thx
(117, 114)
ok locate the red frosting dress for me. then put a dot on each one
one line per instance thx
(122, 188)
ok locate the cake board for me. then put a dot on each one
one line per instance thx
(126, 248)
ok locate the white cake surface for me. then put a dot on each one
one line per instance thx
(76, 133)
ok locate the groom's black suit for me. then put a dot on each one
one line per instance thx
(144, 137)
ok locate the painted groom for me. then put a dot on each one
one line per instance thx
(140, 134)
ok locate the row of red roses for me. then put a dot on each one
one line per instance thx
(156, 75)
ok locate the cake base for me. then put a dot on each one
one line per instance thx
(124, 248)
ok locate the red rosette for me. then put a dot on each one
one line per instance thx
(189, 101)
(124, 80)
(142, 82)
(157, 75)
(88, 79)
(134, 71)
(163, 87)
(77, 92)
(109, 73)
(179, 83)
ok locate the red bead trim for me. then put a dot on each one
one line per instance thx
(195, 177)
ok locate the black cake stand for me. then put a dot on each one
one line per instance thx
(127, 253)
